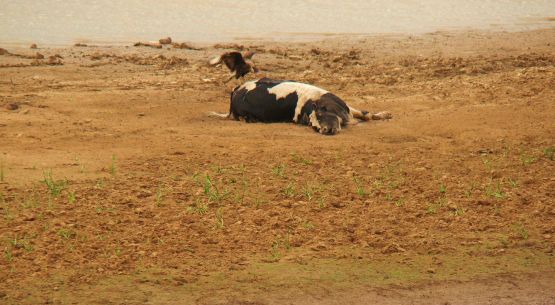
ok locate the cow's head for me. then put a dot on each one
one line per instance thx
(324, 120)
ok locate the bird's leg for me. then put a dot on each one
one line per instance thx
(230, 78)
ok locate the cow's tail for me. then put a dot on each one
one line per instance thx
(218, 115)
(229, 114)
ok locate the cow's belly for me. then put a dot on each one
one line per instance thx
(259, 106)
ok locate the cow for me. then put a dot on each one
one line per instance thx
(268, 100)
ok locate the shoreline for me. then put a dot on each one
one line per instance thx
(546, 23)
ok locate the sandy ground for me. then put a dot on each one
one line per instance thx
(116, 188)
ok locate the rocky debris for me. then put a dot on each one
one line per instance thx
(80, 45)
(338, 204)
(29, 217)
(54, 60)
(166, 40)
(156, 45)
(184, 45)
(229, 46)
(174, 61)
(11, 106)
(33, 46)
(35, 56)
(160, 60)
(392, 248)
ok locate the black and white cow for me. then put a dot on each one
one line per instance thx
(268, 100)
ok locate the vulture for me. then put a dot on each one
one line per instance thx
(238, 64)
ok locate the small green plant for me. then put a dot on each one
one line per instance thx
(488, 163)
(279, 170)
(527, 159)
(101, 209)
(159, 197)
(218, 169)
(8, 255)
(274, 251)
(99, 184)
(258, 202)
(54, 186)
(113, 166)
(391, 176)
(71, 197)
(359, 187)
(198, 207)
(389, 197)
(22, 243)
(495, 191)
(8, 215)
(458, 211)
(196, 178)
(471, 189)
(432, 208)
(468, 193)
(30, 202)
(212, 191)
(308, 191)
(549, 153)
(512, 183)
(442, 189)
(321, 202)
(299, 159)
(287, 242)
(377, 184)
(278, 244)
(504, 241)
(289, 191)
(399, 202)
(308, 225)
(66, 233)
(81, 167)
(220, 218)
(521, 231)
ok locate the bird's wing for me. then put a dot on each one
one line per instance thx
(216, 60)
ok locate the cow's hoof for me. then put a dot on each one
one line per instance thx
(382, 115)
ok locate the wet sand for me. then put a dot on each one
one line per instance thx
(116, 187)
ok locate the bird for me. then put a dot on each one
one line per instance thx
(238, 64)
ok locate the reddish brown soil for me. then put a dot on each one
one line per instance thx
(116, 187)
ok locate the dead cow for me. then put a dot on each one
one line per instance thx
(267, 100)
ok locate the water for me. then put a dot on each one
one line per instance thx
(124, 21)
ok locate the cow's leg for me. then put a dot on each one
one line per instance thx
(359, 114)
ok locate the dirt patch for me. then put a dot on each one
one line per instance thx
(115, 186)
